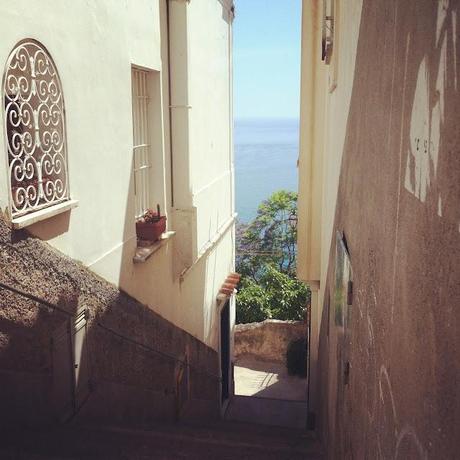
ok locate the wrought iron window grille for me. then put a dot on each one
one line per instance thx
(35, 130)
(141, 141)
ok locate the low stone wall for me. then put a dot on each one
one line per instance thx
(267, 340)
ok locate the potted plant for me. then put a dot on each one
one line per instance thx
(151, 225)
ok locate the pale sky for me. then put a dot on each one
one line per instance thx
(266, 47)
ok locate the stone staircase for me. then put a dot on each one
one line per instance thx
(74, 347)
(220, 440)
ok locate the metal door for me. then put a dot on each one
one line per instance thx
(81, 377)
(70, 376)
(225, 350)
(63, 373)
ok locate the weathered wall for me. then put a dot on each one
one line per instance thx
(130, 383)
(398, 206)
(267, 340)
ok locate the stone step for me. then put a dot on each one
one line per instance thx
(268, 411)
(163, 441)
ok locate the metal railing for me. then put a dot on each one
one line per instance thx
(52, 306)
(34, 298)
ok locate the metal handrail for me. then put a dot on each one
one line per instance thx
(34, 298)
(121, 336)
(162, 353)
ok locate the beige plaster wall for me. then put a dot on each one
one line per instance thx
(386, 382)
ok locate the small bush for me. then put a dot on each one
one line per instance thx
(252, 303)
(296, 358)
(276, 295)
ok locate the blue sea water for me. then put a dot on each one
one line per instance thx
(266, 152)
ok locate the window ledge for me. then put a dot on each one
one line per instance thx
(146, 248)
(42, 214)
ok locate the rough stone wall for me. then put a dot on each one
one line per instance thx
(399, 208)
(267, 340)
(128, 381)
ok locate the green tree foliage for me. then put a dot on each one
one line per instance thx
(266, 258)
(252, 302)
(276, 295)
(271, 238)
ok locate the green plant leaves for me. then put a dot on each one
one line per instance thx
(266, 259)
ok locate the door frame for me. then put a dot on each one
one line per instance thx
(222, 301)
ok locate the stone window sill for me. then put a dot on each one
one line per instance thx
(42, 214)
(145, 249)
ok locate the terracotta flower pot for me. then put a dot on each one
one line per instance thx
(151, 230)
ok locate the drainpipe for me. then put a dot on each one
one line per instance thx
(184, 214)
(168, 29)
(179, 108)
(231, 15)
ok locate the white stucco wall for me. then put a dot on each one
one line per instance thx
(96, 82)
(325, 102)
(211, 159)
(94, 45)
(348, 18)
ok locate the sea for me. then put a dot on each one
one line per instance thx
(266, 153)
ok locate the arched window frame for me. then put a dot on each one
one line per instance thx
(34, 126)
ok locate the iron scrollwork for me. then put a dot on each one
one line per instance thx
(34, 129)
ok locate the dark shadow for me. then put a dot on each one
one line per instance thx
(127, 360)
(26, 331)
(227, 14)
(52, 227)
(275, 412)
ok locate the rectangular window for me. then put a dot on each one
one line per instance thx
(141, 140)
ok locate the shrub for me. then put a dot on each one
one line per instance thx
(275, 296)
(296, 358)
(252, 303)
(287, 296)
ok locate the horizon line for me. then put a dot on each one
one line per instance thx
(252, 117)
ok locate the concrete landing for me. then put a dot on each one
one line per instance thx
(267, 380)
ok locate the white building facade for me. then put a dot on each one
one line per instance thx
(114, 107)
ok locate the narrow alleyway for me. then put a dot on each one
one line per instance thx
(221, 440)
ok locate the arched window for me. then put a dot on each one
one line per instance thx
(35, 133)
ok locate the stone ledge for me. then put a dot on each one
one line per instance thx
(145, 249)
(42, 214)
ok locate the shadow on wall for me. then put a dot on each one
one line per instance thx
(53, 227)
(118, 361)
(188, 301)
(398, 205)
